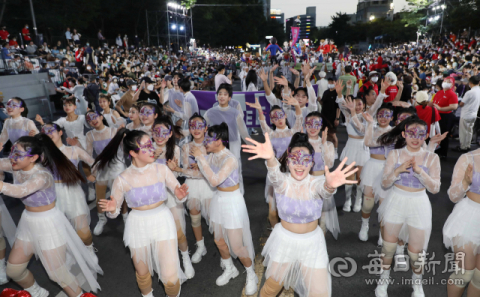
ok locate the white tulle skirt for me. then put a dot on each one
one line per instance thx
(178, 211)
(8, 227)
(229, 220)
(356, 151)
(71, 201)
(50, 236)
(200, 195)
(372, 174)
(462, 225)
(379, 191)
(299, 261)
(407, 214)
(151, 236)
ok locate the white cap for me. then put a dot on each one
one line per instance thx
(421, 96)
(393, 77)
(322, 74)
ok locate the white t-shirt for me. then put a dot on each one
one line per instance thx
(472, 103)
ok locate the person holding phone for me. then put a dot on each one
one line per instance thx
(220, 78)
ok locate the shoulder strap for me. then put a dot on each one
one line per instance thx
(126, 181)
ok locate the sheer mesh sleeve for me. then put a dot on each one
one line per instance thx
(456, 191)
(119, 121)
(369, 140)
(118, 193)
(320, 189)
(31, 126)
(226, 169)
(170, 180)
(389, 177)
(328, 154)
(90, 143)
(276, 177)
(186, 171)
(346, 112)
(177, 156)
(378, 102)
(431, 180)
(357, 122)
(84, 156)
(312, 99)
(4, 134)
(298, 127)
(265, 127)
(5, 165)
(242, 128)
(38, 181)
(272, 99)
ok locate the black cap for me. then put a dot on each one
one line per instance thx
(147, 80)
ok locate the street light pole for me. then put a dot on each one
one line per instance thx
(33, 19)
(168, 27)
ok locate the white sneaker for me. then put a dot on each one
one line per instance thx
(358, 204)
(417, 286)
(3, 272)
(37, 291)
(382, 285)
(92, 252)
(200, 252)
(92, 195)
(251, 286)
(229, 272)
(363, 234)
(187, 265)
(102, 220)
(347, 206)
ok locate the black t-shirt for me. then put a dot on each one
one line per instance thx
(406, 93)
(329, 106)
(152, 95)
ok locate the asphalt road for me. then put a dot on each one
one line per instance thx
(119, 274)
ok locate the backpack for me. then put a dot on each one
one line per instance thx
(89, 96)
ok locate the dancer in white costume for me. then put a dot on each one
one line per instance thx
(461, 232)
(168, 153)
(43, 229)
(134, 116)
(109, 113)
(198, 201)
(407, 213)
(280, 135)
(295, 253)
(150, 228)
(148, 113)
(17, 125)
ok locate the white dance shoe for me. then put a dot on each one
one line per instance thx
(187, 265)
(37, 291)
(200, 252)
(229, 272)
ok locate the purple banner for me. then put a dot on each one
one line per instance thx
(207, 100)
(295, 34)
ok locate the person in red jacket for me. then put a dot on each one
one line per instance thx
(424, 111)
(4, 33)
(372, 82)
(473, 43)
(26, 34)
(79, 58)
(13, 42)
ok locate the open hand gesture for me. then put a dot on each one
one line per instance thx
(350, 104)
(181, 192)
(195, 151)
(368, 117)
(260, 150)
(294, 72)
(438, 138)
(108, 205)
(338, 177)
(281, 81)
(255, 105)
(384, 86)
(339, 87)
(289, 100)
(263, 75)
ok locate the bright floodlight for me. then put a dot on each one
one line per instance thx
(443, 6)
(181, 28)
(372, 17)
(174, 26)
(392, 5)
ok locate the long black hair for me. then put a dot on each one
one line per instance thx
(298, 140)
(24, 105)
(325, 122)
(51, 157)
(276, 107)
(176, 133)
(251, 78)
(196, 115)
(410, 110)
(394, 136)
(221, 132)
(104, 121)
(130, 143)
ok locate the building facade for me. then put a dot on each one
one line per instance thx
(306, 22)
(368, 10)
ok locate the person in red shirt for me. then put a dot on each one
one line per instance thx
(424, 111)
(79, 58)
(473, 43)
(4, 33)
(26, 34)
(13, 42)
(392, 91)
(372, 82)
(446, 101)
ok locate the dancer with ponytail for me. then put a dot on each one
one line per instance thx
(237, 130)
(199, 200)
(460, 232)
(71, 199)
(355, 149)
(228, 220)
(407, 213)
(17, 125)
(324, 156)
(168, 153)
(43, 229)
(150, 228)
(280, 135)
(109, 113)
(295, 253)
(98, 139)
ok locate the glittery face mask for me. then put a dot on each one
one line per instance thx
(209, 139)
(161, 132)
(48, 130)
(146, 148)
(385, 114)
(313, 123)
(197, 125)
(402, 117)
(12, 104)
(146, 112)
(300, 158)
(92, 117)
(277, 115)
(416, 133)
(18, 155)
